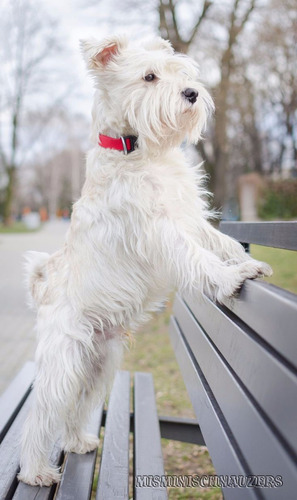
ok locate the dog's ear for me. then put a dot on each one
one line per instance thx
(98, 54)
(158, 43)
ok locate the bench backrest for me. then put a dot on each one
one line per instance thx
(239, 363)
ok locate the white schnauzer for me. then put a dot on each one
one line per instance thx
(139, 230)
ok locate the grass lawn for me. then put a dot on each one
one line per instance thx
(16, 227)
(151, 351)
(283, 263)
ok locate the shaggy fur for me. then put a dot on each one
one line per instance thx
(139, 230)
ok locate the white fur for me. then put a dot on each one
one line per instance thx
(139, 230)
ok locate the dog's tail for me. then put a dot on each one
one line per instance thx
(35, 267)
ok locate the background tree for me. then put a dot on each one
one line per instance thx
(54, 175)
(274, 55)
(232, 19)
(28, 49)
(246, 50)
(254, 127)
(171, 28)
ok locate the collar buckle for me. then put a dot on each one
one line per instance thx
(133, 143)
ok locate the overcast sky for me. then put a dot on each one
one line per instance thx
(88, 18)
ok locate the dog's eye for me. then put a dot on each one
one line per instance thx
(150, 77)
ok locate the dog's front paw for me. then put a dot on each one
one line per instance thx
(235, 276)
(81, 445)
(263, 268)
(254, 269)
(46, 476)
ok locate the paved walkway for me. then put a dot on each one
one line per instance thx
(17, 337)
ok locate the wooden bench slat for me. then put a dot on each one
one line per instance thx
(114, 469)
(273, 386)
(272, 234)
(10, 452)
(148, 459)
(78, 473)
(263, 452)
(14, 396)
(26, 492)
(267, 309)
(220, 441)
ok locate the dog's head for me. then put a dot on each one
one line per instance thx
(147, 90)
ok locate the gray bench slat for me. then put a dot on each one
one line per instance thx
(262, 450)
(271, 383)
(114, 468)
(272, 234)
(221, 444)
(148, 459)
(271, 312)
(13, 397)
(78, 473)
(26, 492)
(10, 452)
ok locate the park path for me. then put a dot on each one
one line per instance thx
(17, 337)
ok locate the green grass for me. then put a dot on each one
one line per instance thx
(151, 351)
(16, 227)
(283, 263)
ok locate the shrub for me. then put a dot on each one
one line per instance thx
(278, 200)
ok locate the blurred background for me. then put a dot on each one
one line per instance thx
(246, 50)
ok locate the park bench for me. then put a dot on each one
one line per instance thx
(239, 364)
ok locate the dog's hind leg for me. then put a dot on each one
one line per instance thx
(75, 438)
(38, 437)
(65, 360)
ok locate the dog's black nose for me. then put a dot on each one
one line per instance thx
(190, 94)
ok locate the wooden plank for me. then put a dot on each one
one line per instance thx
(26, 492)
(224, 450)
(114, 469)
(77, 475)
(272, 234)
(271, 312)
(14, 396)
(272, 384)
(148, 459)
(10, 453)
(78, 470)
(176, 428)
(262, 449)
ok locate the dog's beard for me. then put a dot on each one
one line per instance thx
(163, 117)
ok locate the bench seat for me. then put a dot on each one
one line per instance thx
(118, 423)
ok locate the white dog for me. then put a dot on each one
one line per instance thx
(139, 230)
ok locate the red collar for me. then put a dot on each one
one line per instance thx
(126, 143)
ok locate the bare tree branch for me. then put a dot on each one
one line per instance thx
(3, 158)
(247, 14)
(46, 119)
(163, 27)
(174, 21)
(207, 4)
(27, 46)
(169, 25)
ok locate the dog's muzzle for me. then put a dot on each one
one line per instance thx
(190, 94)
